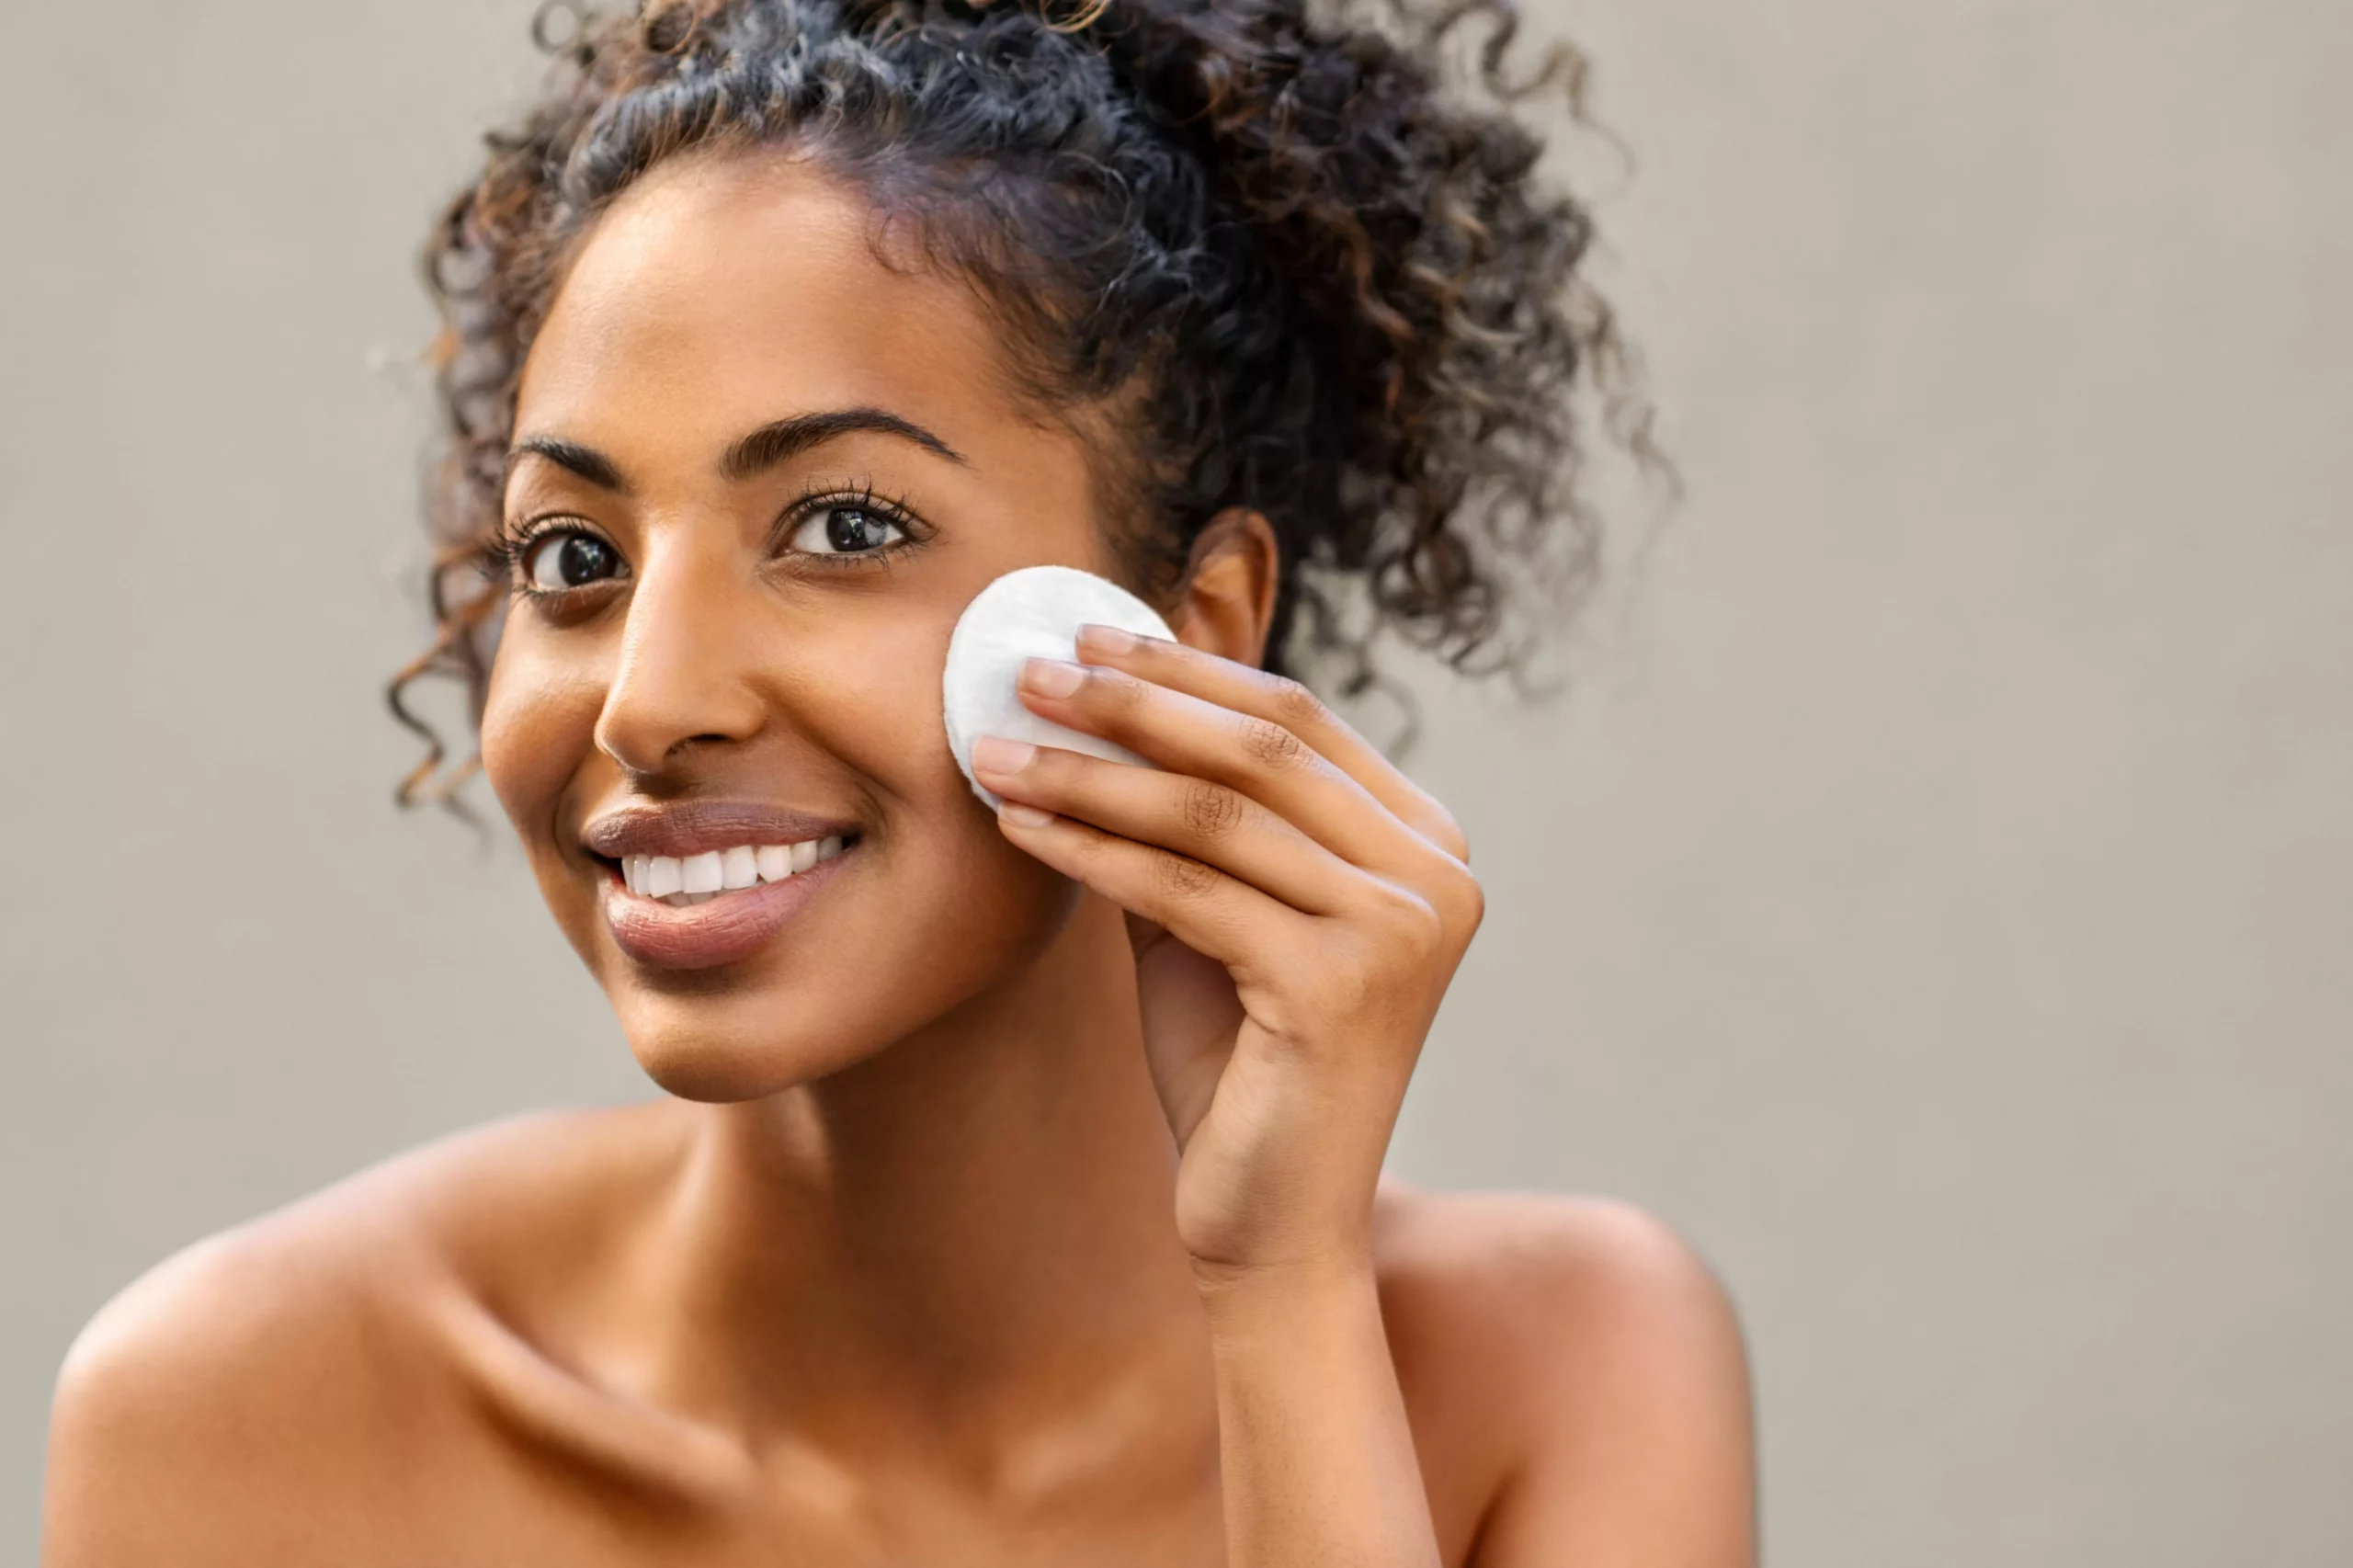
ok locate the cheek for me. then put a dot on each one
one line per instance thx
(539, 721)
(873, 703)
(869, 701)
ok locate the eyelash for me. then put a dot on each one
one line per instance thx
(510, 546)
(891, 510)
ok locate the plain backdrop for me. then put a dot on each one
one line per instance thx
(1936, 896)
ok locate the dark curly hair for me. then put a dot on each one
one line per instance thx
(1299, 276)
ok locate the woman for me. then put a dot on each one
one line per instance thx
(1016, 1194)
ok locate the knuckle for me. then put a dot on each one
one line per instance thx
(1271, 745)
(1292, 705)
(1210, 811)
(1114, 691)
(1391, 919)
(1461, 902)
(1472, 900)
(1422, 927)
(1411, 926)
(1180, 879)
(1446, 834)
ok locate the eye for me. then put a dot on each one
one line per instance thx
(845, 528)
(556, 563)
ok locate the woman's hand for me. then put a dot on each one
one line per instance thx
(1298, 907)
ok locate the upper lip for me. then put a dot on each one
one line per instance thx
(696, 827)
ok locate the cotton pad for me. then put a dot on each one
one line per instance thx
(1034, 613)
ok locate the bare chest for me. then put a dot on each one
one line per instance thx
(502, 1505)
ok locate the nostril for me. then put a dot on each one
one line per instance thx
(673, 696)
(644, 756)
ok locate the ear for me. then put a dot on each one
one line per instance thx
(1228, 602)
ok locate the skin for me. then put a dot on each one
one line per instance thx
(1019, 1201)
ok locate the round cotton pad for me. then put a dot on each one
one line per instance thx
(1034, 613)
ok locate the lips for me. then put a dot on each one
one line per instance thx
(697, 828)
(656, 903)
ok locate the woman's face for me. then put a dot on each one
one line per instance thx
(757, 476)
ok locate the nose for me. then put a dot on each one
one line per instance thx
(689, 663)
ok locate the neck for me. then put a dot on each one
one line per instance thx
(967, 1234)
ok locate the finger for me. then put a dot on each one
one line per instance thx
(1257, 757)
(1199, 818)
(1280, 700)
(1215, 915)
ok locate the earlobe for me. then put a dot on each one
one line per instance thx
(1228, 603)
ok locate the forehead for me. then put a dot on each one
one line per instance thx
(721, 292)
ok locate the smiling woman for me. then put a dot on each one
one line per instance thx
(1017, 1193)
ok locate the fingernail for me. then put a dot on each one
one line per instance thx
(994, 754)
(1021, 815)
(1107, 639)
(1052, 677)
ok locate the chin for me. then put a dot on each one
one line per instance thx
(708, 1072)
(725, 1035)
(720, 1047)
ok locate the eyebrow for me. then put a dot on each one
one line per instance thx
(587, 462)
(776, 442)
(786, 439)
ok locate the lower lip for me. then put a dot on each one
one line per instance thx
(725, 929)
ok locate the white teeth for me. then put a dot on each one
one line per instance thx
(682, 881)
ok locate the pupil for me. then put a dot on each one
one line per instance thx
(846, 528)
(581, 560)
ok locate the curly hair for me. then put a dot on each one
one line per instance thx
(1303, 277)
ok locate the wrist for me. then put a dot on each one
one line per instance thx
(1285, 1285)
(1257, 1246)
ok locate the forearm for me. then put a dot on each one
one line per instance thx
(1317, 1458)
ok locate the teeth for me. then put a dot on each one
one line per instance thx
(683, 881)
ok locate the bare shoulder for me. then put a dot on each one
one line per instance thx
(1580, 1368)
(258, 1396)
(1567, 1278)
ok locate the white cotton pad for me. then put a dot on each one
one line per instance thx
(1034, 613)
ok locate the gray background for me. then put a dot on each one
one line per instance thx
(1937, 897)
